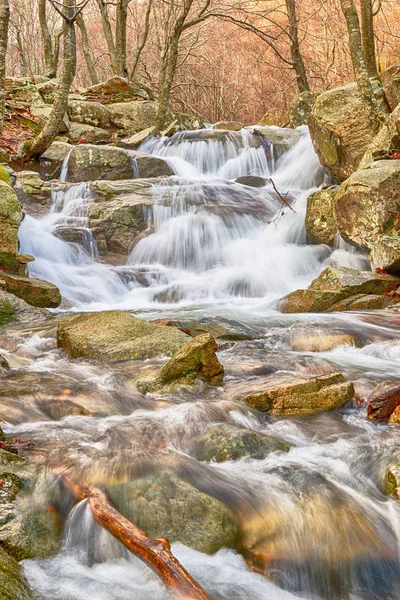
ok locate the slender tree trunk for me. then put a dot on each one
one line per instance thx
(54, 122)
(57, 39)
(51, 65)
(4, 22)
(18, 37)
(368, 39)
(87, 52)
(359, 67)
(108, 33)
(120, 37)
(297, 58)
(166, 86)
(143, 42)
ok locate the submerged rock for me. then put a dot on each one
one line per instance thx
(303, 397)
(367, 204)
(35, 292)
(321, 341)
(341, 288)
(165, 506)
(320, 220)
(228, 442)
(341, 128)
(252, 181)
(383, 404)
(116, 335)
(196, 359)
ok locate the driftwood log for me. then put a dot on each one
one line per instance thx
(156, 553)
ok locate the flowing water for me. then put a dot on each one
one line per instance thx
(315, 519)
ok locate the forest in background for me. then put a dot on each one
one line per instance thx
(234, 59)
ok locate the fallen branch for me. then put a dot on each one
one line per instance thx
(156, 553)
(280, 195)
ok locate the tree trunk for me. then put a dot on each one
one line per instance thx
(51, 65)
(120, 37)
(359, 67)
(166, 86)
(87, 52)
(143, 42)
(4, 22)
(108, 33)
(297, 58)
(368, 39)
(54, 122)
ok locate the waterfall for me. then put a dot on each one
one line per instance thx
(212, 241)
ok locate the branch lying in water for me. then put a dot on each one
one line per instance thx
(156, 553)
(280, 195)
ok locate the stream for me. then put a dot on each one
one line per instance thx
(321, 524)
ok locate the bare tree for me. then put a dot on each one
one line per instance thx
(368, 38)
(87, 52)
(49, 57)
(108, 34)
(69, 11)
(121, 19)
(297, 58)
(143, 41)
(4, 22)
(359, 67)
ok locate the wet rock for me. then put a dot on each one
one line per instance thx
(118, 88)
(14, 309)
(116, 335)
(282, 139)
(228, 442)
(367, 204)
(385, 253)
(13, 585)
(394, 418)
(303, 397)
(35, 292)
(362, 302)
(195, 360)
(34, 187)
(88, 134)
(320, 220)
(59, 409)
(51, 161)
(89, 113)
(10, 218)
(351, 281)
(228, 125)
(225, 329)
(341, 129)
(390, 79)
(384, 403)
(163, 505)
(393, 480)
(134, 116)
(252, 181)
(304, 301)
(87, 162)
(301, 108)
(322, 341)
(149, 166)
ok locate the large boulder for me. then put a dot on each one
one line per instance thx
(386, 142)
(385, 253)
(87, 134)
(118, 89)
(88, 163)
(35, 292)
(134, 116)
(303, 397)
(195, 360)
(390, 79)
(89, 113)
(383, 404)
(165, 506)
(13, 584)
(340, 289)
(367, 204)
(228, 442)
(10, 218)
(301, 108)
(341, 128)
(320, 220)
(116, 335)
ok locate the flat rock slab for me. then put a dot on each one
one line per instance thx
(35, 292)
(303, 397)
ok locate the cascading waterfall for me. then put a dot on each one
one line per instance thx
(214, 240)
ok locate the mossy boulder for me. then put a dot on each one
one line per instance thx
(303, 397)
(14, 309)
(134, 116)
(341, 128)
(34, 187)
(385, 253)
(368, 203)
(118, 87)
(228, 442)
(13, 584)
(88, 163)
(89, 113)
(320, 220)
(301, 108)
(341, 288)
(195, 360)
(10, 218)
(165, 506)
(116, 335)
(35, 292)
(393, 480)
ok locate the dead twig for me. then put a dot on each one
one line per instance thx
(280, 195)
